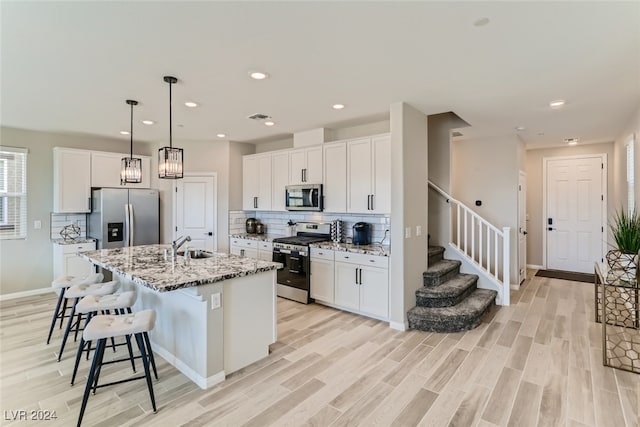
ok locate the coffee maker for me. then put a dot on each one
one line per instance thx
(361, 233)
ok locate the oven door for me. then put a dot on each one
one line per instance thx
(296, 269)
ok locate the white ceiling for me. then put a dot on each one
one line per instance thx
(69, 67)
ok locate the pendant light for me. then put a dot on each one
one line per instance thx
(169, 158)
(131, 171)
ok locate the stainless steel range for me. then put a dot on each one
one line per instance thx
(293, 253)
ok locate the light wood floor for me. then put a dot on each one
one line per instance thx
(537, 362)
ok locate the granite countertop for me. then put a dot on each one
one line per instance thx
(380, 250)
(78, 241)
(252, 236)
(146, 266)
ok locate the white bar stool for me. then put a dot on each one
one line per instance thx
(80, 291)
(119, 304)
(62, 284)
(102, 327)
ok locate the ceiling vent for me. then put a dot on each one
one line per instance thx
(456, 134)
(258, 116)
(571, 141)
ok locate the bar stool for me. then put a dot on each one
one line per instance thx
(62, 284)
(120, 304)
(102, 327)
(80, 291)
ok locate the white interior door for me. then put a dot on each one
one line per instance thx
(522, 227)
(195, 210)
(574, 224)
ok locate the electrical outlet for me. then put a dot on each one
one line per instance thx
(215, 300)
(37, 224)
(407, 232)
(418, 230)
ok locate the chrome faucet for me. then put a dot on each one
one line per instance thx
(175, 245)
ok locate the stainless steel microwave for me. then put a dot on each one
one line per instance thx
(306, 197)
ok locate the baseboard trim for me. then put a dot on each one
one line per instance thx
(535, 267)
(202, 382)
(15, 295)
(399, 326)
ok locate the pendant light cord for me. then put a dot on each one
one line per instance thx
(131, 134)
(170, 120)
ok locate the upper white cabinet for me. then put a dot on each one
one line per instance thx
(335, 177)
(280, 179)
(71, 180)
(369, 175)
(256, 182)
(105, 170)
(305, 166)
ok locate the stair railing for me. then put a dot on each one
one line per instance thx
(482, 243)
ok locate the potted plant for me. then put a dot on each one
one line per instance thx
(626, 233)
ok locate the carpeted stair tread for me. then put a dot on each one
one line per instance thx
(461, 317)
(440, 272)
(448, 293)
(435, 254)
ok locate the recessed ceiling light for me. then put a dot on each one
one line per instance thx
(269, 123)
(558, 103)
(572, 141)
(148, 122)
(520, 128)
(124, 132)
(221, 135)
(191, 104)
(481, 22)
(337, 106)
(258, 75)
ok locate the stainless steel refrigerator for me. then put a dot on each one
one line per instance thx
(124, 217)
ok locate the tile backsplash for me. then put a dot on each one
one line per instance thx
(59, 221)
(276, 222)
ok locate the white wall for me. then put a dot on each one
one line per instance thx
(28, 264)
(486, 169)
(619, 193)
(534, 160)
(409, 208)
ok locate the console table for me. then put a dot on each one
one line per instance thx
(618, 309)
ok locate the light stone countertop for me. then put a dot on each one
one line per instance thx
(78, 241)
(146, 266)
(376, 249)
(259, 237)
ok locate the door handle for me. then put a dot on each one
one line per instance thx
(525, 233)
(210, 233)
(550, 228)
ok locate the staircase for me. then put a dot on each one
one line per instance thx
(449, 301)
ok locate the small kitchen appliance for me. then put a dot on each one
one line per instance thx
(361, 233)
(260, 228)
(250, 225)
(306, 197)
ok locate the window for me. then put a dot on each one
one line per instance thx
(630, 176)
(13, 193)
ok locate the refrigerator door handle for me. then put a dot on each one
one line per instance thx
(131, 227)
(127, 225)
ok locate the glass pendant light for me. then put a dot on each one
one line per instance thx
(169, 158)
(131, 171)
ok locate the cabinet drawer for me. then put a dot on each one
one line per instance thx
(319, 253)
(363, 259)
(72, 249)
(245, 243)
(265, 246)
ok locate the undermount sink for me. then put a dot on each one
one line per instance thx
(197, 254)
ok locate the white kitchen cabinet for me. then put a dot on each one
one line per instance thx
(244, 247)
(66, 262)
(256, 182)
(322, 275)
(265, 251)
(71, 180)
(279, 180)
(305, 166)
(362, 283)
(106, 167)
(369, 175)
(335, 177)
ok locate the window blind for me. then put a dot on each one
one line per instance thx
(630, 176)
(13, 193)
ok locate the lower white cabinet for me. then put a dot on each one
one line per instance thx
(66, 262)
(251, 248)
(362, 283)
(265, 251)
(322, 275)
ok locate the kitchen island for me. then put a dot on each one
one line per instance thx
(214, 316)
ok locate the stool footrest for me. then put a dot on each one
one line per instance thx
(141, 377)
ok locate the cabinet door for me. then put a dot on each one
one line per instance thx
(335, 177)
(235, 250)
(264, 183)
(374, 291)
(76, 266)
(322, 280)
(347, 292)
(249, 182)
(297, 163)
(265, 251)
(358, 175)
(106, 167)
(280, 179)
(313, 165)
(71, 181)
(381, 165)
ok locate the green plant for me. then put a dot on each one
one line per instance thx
(626, 231)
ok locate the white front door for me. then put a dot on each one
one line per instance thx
(522, 227)
(574, 222)
(195, 210)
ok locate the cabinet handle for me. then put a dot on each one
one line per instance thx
(241, 252)
(360, 275)
(372, 208)
(255, 202)
(89, 203)
(357, 277)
